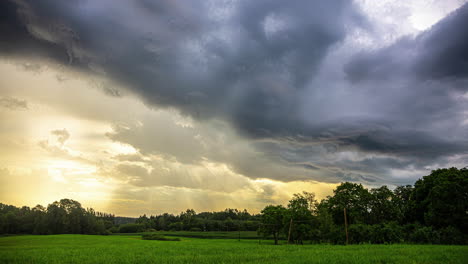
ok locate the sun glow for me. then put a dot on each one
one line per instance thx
(423, 21)
(124, 149)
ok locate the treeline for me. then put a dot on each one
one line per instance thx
(434, 210)
(64, 217)
(69, 217)
(227, 220)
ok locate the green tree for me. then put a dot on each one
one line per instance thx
(272, 221)
(402, 201)
(56, 219)
(355, 198)
(299, 211)
(74, 214)
(382, 206)
(441, 199)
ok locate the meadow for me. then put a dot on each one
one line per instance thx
(132, 249)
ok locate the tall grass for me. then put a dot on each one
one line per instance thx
(132, 249)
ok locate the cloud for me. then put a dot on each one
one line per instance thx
(205, 176)
(435, 54)
(233, 62)
(421, 81)
(283, 75)
(61, 134)
(12, 103)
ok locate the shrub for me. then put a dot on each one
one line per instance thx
(388, 233)
(114, 229)
(336, 235)
(359, 233)
(158, 237)
(451, 235)
(423, 235)
(131, 228)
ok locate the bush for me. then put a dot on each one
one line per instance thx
(158, 237)
(336, 235)
(386, 234)
(114, 229)
(359, 233)
(424, 235)
(451, 235)
(195, 229)
(131, 228)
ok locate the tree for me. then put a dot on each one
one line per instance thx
(56, 219)
(272, 220)
(299, 210)
(312, 202)
(325, 223)
(74, 213)
(355, 198)
(40, 224)
(441, 199)
(188, 218)
(382, 206)
(402, 201)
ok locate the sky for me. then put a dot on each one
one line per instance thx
(152, 106)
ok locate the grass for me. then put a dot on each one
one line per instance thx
(132, 249)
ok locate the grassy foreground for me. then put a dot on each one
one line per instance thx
(131, 249)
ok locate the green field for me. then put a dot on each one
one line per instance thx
(131, 249)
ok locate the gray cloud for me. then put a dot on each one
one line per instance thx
(438, 53)
(244, 61)
(261, 66)
(167, 173)
(421, 81)
(12, 103)
(61, 134)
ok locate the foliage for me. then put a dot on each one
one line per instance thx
(68, 217)
(158, 237)
(300, 217)
(355, 198)
(441, 199)
(131, 228)
(227, 220)
(63, 217)
(433, 211)
(272, 221)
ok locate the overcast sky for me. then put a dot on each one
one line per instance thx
(152, 106)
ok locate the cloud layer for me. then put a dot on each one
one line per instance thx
(276, 89)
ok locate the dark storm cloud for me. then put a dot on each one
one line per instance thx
(259, 65)
(438, 53)
(243, 60)
(424, 77)
(17, 39)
